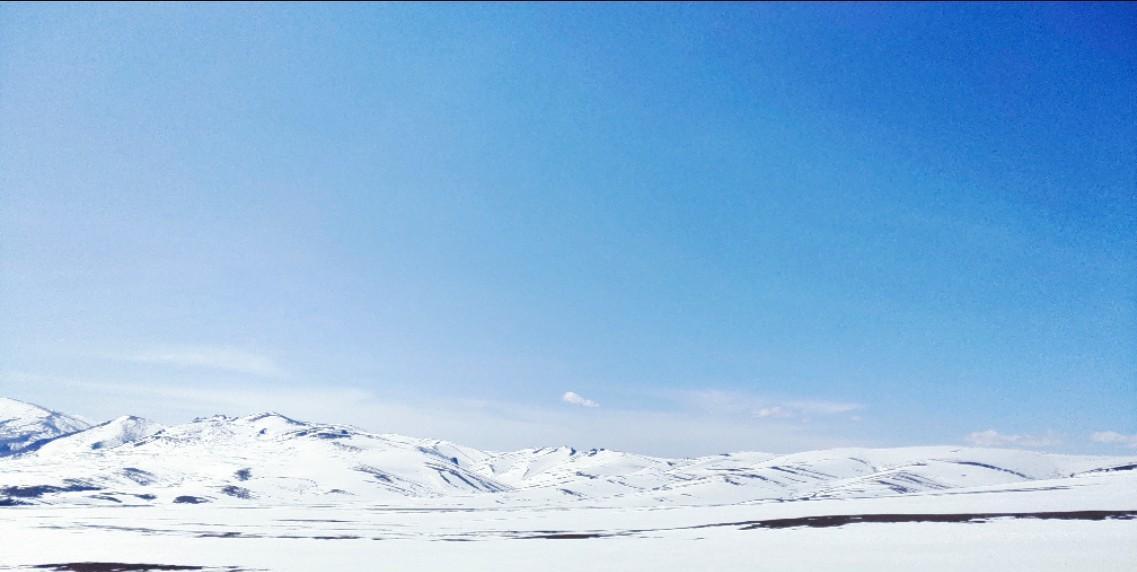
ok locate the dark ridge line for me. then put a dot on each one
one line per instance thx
(568, 536)
(840, 520)
(1110, 469)
(992, 467)
(125, 567)
(36, 491)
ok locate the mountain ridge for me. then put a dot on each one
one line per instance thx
(26, 425)
(271, 458)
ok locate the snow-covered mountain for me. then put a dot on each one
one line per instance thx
(118, 431)
(24, 425)
(271, 458)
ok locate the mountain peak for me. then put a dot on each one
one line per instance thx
(24, 425)
(16, 409)
(272, 415)
(108, 435)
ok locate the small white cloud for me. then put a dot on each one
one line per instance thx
(574, 398)
(219, 358)
(1114, 438)
(993, 438)
(775, 411)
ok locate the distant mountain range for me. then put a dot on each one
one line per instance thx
(47, 457)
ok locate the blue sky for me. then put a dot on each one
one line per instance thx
(726, 227)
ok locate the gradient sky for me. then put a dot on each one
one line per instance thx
(722, 227)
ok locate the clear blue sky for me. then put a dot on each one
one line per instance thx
(731, 226)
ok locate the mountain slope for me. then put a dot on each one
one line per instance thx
(270, 458)
(25, 425)
(118, 431)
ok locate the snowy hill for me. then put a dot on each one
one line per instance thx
(270, 458)
(24, 425)
(119, 431)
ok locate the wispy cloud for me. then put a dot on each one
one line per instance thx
(738, 403)
(1115, 438)
(210, 357)
(573, 398)
(993, 438)
(774, 411)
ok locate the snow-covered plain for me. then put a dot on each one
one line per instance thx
(267, 492)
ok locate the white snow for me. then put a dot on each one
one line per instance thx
(25, 425)
(280, 494)
(118, 431)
